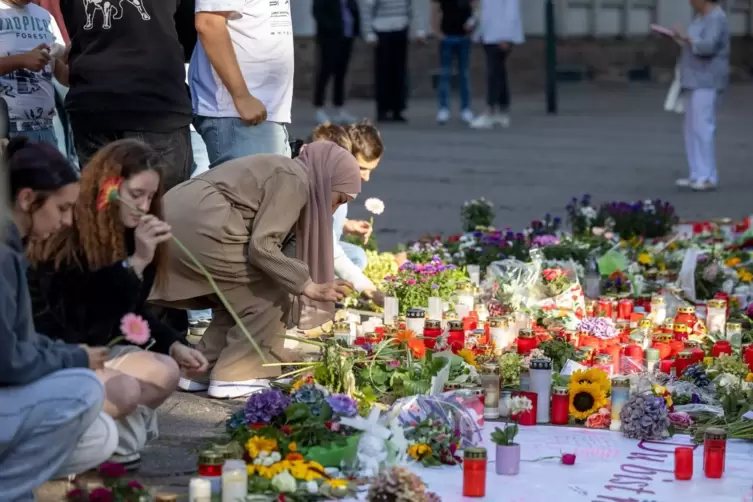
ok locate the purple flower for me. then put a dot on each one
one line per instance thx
(435, 286)
(343, 405)
(545, 240)
(264, 406)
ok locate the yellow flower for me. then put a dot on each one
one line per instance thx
(645, 259)
(258, 444)
(270, 471)
(292, 446)
(745, 275)
(749, 377)
(672, 245)
(668, 400)
(659, 390)
(731, 262)
(337, 483)
(306, 471)
(419, 451)
(707, 361)
(586, 399)
(592, 375)
(468, 356)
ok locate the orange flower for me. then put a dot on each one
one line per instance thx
(294, 456)
(108, 192)
(417, 348)
(405, 335)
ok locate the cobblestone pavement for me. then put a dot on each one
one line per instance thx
(613, 143)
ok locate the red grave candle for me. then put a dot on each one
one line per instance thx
(614, 352)
(432, 331)
(528, 417)
(683, 463)
(469, 322)
(526, 341)
(748, 356)
(676, 346)
(721, 347)
(714, 452)
(666, 366)
(695, 349)
(474, 472)
(379, 330)
(456, 335)
(661, 343)
(560, 406)
(624, 309)
(684, 359)
(603, 307)
(633, 359)
(210, 464)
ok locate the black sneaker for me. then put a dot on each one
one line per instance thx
(132, 463)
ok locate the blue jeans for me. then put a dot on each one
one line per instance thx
(62, 125)
(41, 136)
(356, 254)
(200, 165)
(229, 138)
(451, 48)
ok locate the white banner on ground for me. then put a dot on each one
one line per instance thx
(608, 468)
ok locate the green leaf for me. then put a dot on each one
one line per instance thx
(325, 413)
(297, 412)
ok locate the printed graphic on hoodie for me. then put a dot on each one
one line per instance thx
(107, 10)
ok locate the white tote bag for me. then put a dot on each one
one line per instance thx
(674, 102)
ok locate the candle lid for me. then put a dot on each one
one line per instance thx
(715, 434)
(657, 300)
(478, 332)
(490, 369)
(716, 303)
(371, 335)
(620, 381)
(210, 457)
(560, 391)
(681, 328)
(455, 325)
(165, 497)
(687, 309)
(541, 364)
(651, 354)
(645, 323)
(622, 325)
(692, 344)
(722, 342)
(605, 299)
(603, 358)
(734, 326)
(450, 315)
(498, 322)
(432, 324)
(415, 313)
(341, 326)
(668, 324)
(526, 333)
(474, 453)
(465, 287)
(662, 337)
(685, 354)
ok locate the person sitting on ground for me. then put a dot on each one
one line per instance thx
(365, 143)
(262, 226)
(51, 424)
(89, 277)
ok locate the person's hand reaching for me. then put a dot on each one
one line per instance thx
(328, 292)
(190, 360)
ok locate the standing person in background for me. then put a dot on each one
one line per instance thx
(33, 49)
(338, 22)
(704, 74)
(241, 77)
(453, 23)
(499, 28)
(127, 80)
(387, 24)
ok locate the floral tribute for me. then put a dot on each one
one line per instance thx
(477, 213)
(589, 390)
(645, 417)
(116, 487)
(415, 283)
(555, 281)
(433, 442)
(398, 484)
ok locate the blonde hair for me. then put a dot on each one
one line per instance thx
(362, 140)
(334, 133)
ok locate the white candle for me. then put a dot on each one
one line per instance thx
(436, 308)
(391, 310)
(199, 490)
(234, 481)
(474, 272)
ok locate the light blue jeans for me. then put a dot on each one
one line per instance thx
(356, 254)
(229, 138)
(41, 136)
(41, 424)
(200, 165)
(452, 48)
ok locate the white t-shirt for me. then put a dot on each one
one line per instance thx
(29, 94)
(263, 41)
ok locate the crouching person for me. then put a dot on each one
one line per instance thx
(51, 418)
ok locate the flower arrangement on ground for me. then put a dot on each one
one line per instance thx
(398, 484)
(507, 460)
(484, 246)
(581, 216)
(589, 390)
(616, 283)
(709, 277)
(645, 417)
(116, 487)
(415, 283)
(555, 281)
(433, 442)
(509, 369)
(477, 213)
(428, 249)
(647, 219)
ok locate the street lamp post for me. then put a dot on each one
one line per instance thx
(551, 59)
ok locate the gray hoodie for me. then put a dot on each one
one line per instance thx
(25, 355)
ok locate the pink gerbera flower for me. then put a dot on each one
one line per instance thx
(135, 329)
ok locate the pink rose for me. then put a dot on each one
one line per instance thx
(101, 495)
(568, 458)
(112, 470)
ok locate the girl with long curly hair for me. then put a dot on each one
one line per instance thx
(94, 275)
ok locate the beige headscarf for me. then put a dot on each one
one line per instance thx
(330, 169)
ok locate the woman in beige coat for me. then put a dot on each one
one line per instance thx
(262, 226)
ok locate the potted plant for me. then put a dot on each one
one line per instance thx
(508, 451)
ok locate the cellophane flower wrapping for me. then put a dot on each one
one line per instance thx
(510, 281)
(451, 408)
(645, 416)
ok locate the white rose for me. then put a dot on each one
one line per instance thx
(312, 487)
(284, 483)
(275, 456)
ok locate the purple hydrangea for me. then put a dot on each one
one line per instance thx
(263, 407)
(645, 417)
(600, 327)
(343, 405)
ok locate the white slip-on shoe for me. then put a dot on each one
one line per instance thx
(466, 116)
(231, 390)
(189, 385)
(501, 119)
(683, 182)
(443, 115)
(703, 186)
(482, 122)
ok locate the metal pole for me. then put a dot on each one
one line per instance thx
(551, 59)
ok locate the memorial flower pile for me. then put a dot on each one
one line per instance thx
(477, 213)
(398, 484)
(433, 442)
(415, 283)
(589, 390)
(116, 487)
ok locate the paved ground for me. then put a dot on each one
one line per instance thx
(613, 144)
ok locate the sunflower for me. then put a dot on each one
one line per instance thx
(419, 451)
(468, 356)
(645, 259)
(586, 399)
(258, 444)
(592, 375)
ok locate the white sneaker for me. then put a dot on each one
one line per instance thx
(466, 116)
(703, 186)
(684, 182)
(189, 385)
(231, 390)
(443, 115)
(482, 122)
(321, 116)
(501, 119)
(342, 116)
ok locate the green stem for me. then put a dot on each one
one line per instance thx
(213, 284)
(116, 340)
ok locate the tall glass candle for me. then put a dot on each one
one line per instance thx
(474, 273)
(560, 406)
(464, 295)
(684, 359)
(633, 359)
(497, 331)
(436, 308)
(526, 341)
(716, 315)
(620, 396)
(529, 417)
(342, 332)
(199, 490)
(474, 472)
(234, 481)
(490, 383)
(541, 384)
(652, 359)
(714, 452)
(683, 463)
(391, 310)
(658, 311)
(456, 335)
(734, 332)
(414, 320)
